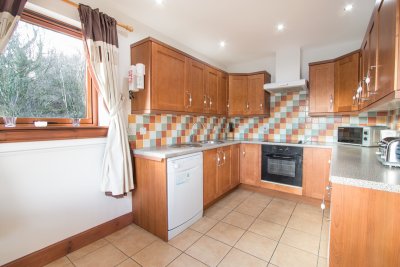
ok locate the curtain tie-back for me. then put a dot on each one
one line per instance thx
(114, 111)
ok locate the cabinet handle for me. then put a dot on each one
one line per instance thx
(205, 100)
(330, 102)
(190, 99)
(247, 105)
(210, 99)
(261, 106)
(224, 157)
(244, 153)
(218, 160)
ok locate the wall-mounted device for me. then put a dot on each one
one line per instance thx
(136, 78)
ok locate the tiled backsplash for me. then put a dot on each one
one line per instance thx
(159, 130)
(289, 121)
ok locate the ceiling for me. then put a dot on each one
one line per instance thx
(249, 27)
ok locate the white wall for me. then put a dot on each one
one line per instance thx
(50, 191)
(266, 63)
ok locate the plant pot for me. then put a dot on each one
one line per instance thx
(10, 121)
(76, 122)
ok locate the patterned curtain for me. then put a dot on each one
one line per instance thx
(10, 14)
(101, 39)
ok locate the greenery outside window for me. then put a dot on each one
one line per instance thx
(43, 74)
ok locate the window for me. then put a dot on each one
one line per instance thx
(43, 74)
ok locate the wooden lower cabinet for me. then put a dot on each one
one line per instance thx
(316, 171)
(220, 172)
(364, 227)
(250, 164)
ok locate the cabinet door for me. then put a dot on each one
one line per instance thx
(250, 164)
(168, 81)
(222, 94)
(322, 88)
(386, 47)
(235, 165)
(196, 84)
(224, 170)
(212, 90)
(210, 182)
(316, 169)
(373, 60)
(256, 94)
(237, 95)
(346, 82)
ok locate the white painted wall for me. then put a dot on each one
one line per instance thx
(50, 191)
(266, 63)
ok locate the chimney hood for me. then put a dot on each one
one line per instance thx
(287, 72)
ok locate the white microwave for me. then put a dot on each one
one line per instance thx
(361, 136)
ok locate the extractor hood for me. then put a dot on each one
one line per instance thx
(287, 72)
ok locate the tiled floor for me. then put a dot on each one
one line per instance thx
(245, 228)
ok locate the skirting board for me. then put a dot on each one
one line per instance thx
(62, 248)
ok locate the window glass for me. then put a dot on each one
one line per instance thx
(42, 75)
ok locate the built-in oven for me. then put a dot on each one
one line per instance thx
(282, 164)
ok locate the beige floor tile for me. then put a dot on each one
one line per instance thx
(129, 263)
(226, 233)
(208, 251)
(283, 203)
(325, 229)
(185, 239)
(306, 224)
(121, 233)
(229, 202)
(276, 215)
(186, 261)
(268, 229)
(134, 241)
(323, 248)
(216, 212)
(300, 240)
(204, 225)
(61, 262)
(249, 209)
(239, 219)
(308, 210)
(287, 256)
(105, 256)
(238, 258)
(271, 265)
(158, 254)
(87, 249)
(256, 245)
(322, 262)
(260, 199)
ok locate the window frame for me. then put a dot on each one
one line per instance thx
(91, 92)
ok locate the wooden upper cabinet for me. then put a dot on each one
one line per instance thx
(322, 88)
(168, 79)
(250, 164)
(210, 182)
(247, 96)
(346, 82)
(373, 59)
(386, 48)
(195, 88)
(237, 95)
(211, 93)
(257, 97)
(224, 170)
(222, 104)
(316, 171)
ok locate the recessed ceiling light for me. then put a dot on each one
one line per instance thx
(280, 27)
(222, 44)
(348, 8)
(160, 2)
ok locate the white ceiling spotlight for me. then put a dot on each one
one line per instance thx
(222, 44)
(280, 27)
(348, 8)
(159, 2)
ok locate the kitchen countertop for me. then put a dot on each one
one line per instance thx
(350, 165)
(359, 166)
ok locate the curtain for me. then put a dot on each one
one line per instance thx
(10, 13)
(101, 39)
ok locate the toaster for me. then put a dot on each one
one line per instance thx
(388, 153)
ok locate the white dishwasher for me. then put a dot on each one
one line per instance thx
(185, 192)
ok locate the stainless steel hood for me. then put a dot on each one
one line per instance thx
(287, 72)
